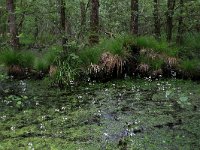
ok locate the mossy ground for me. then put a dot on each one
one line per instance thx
(125, 114)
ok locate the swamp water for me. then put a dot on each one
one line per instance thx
(128, 114)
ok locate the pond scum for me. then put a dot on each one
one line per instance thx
(125, 114)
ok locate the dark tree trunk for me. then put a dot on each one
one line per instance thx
(68, 26)
(22, 18)
(156, 15)
(1, 22)
(179, 38)
(63, 24)
(170, 13)
(134, 17)
(198, 27)
(14, 41)
(83, 18)
(36, 32)
(94, 22)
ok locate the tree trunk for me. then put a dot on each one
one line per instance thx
(68, 26)
(36, 32)
(94, 22)
(63, 24)
(170, 13)
(1, 22)
(179, 38)
(83, 18)
(156, 15)
(14, 41)
(134, 17)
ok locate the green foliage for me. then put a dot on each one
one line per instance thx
(116, 46)
(41, 65)
(72, 46)
(192, 41)
(3, 76)
(183, 101)
(52, 54)
(191, 45)
(49, 58)
(10, 57)
(90, 55)
(158, 46)
(67, 70)
(154, 64)
(26, 39)
(18, 101)
(190, 66)
(27, 59)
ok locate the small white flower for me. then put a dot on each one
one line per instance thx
(106, 134)
(57, 110)
(12, 128)
(63, 108)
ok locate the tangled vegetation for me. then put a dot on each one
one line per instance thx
(111, 58)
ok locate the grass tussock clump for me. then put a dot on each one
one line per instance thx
(52, 54)
(41, 65)
(23, 59)
(9, 57)
(190, 68)
(161, 47)
(191, 46)
(26, 63)
(18, 63)
(154, 63)
(115, 46)
(143, 54)
(109, 57)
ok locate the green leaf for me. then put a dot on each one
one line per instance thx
(183, 99)
(167, 94)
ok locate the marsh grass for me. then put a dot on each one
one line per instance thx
(119, 50)
(67, 71)
(27, 59)
(191, 45)
(121, 46)
(90, 55)
(115, 46)
(18, 61)
(190, 66)
(52, 54)
(41, 65)
(10, 57)
(154, 63)
(158, 46)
